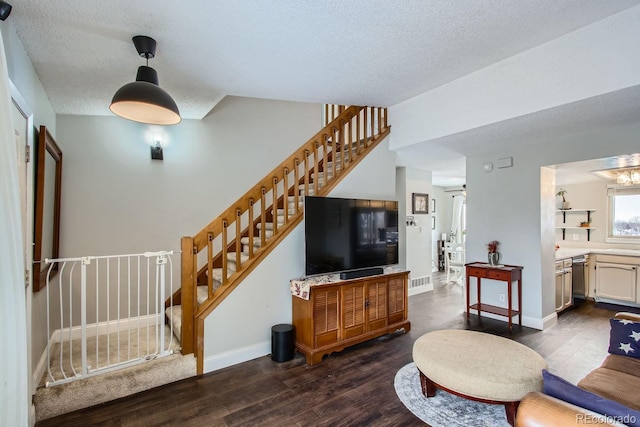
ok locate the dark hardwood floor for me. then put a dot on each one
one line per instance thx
(354, 387)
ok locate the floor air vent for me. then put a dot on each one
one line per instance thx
(419, 281)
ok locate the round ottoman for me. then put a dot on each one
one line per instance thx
(478, 366)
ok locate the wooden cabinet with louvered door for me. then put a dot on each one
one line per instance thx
(397, 299)
(353, 310)
(326, 316)
(338, 315)
(376, 304)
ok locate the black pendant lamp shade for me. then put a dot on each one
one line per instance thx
(5, 10)
(143, 100)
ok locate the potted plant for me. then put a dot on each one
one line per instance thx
(565, 204)
(492, 252)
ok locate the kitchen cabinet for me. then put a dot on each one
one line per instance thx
(340, 314)
(564, 289)
(616, 281)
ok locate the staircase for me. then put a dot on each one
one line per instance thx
(216, 260)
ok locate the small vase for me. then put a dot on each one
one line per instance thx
(494, 258)
(566, 205)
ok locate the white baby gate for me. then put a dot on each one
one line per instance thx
(105, 313)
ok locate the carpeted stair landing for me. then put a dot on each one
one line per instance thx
(63, 398)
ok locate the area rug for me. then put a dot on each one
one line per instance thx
(444, 409)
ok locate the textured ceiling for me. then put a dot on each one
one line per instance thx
(446, 156)
(359, 52)
(362, 52)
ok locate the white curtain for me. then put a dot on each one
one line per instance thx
(14, 403)
(456, 219)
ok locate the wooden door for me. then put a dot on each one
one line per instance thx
(353, 306)
(326, 315)
(376, 304)
(397, 299)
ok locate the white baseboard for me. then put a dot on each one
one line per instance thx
(420, 289)
(233, 357)
(104, 327)
(41, 367)
(549, 321)
(32, 415)
(530, 322)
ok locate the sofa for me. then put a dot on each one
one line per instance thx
(608, 395)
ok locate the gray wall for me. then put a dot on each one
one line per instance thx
(239, 329)
(516, 206)
(116, 200)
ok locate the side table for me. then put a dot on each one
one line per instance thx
(507, 273)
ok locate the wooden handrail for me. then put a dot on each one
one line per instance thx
(314, 168)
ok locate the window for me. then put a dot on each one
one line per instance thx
(624, 214)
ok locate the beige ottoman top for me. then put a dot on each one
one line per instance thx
(479, 365)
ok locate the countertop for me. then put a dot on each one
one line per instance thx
(564, 253)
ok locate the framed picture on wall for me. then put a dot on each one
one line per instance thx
(420, 203)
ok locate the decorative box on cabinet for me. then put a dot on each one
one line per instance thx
(341, 314)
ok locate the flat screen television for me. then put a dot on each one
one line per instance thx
(349, 234)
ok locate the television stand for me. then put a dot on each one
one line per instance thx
(365, 272)
(336, 315)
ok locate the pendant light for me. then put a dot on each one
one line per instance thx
(5, 10)
(143, 100)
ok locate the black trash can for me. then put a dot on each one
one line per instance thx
(282, 342)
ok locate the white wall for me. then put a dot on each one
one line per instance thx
(403, 212)
(240, 328)
(516, 206)
(418, 241)
(599, 58)
(444, 206)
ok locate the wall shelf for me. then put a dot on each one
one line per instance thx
(581, 211)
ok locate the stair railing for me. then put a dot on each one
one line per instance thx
(217, 258)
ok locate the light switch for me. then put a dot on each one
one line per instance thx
(504, 162)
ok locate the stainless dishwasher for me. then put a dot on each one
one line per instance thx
(580, 277)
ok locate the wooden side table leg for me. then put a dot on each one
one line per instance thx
(479, 299)
(510, 409)
(428, 387)
(520, 301)
(510, 303)
(468, 302)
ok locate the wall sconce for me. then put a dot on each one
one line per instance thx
(156, 149)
